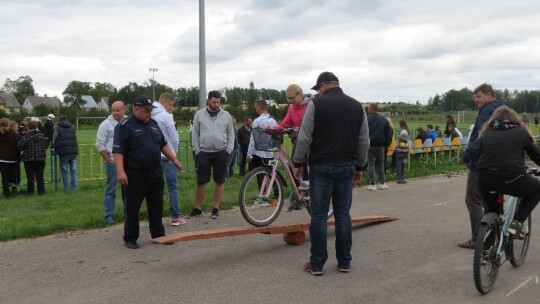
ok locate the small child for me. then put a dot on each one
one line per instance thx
(402, 149)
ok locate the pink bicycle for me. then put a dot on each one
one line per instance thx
(262, 191)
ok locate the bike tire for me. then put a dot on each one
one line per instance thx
(256, 210)
(486, 263)
(518, 248)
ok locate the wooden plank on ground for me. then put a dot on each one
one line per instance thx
(277, 229)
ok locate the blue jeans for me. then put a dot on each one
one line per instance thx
(331, 182)
(400, 168)
(109, 198)
(69, 161)
(230, 163)
(171, 177)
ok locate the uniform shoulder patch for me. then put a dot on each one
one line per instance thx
(124, 120)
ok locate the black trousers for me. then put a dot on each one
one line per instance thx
(143, 184)
(34, 169)
(511, 183)
(243, 155)
(6, 170)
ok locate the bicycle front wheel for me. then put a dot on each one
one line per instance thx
(519, 247)
(261, 199)
(486, 261)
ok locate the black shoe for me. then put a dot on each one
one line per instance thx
(344, 268)
(215, 213)
(131, 244)
(516, 229)
(195, 212)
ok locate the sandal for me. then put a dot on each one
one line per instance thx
(467, 244)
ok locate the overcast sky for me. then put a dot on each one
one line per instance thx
(380, 50)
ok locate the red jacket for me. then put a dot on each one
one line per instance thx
(294, 117)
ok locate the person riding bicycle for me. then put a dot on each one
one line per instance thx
(293, 119)
(501, 165)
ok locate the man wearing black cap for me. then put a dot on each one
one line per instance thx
(138, 144)
(335, 132)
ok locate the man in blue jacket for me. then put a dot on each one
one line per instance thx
(484, 95)
(67, 148)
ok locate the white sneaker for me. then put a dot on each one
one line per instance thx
(304, 185)
(383, 187)
(372, 188)
(177, 221)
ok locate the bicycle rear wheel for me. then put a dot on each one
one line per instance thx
(257, 208)
(486, 262)
(518, 247)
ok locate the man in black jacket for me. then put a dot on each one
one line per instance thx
(380, 137)
(65, 144)
(484, 95)
(335, 131)
(244, 133)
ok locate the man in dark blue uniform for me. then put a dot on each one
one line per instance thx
(137, 147)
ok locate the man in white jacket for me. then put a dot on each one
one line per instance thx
(163, 116)
(104, 144)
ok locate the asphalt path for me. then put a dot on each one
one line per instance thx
(412, 260)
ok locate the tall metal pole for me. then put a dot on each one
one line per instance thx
(202, 58)
(153, 70)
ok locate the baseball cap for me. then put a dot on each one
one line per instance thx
(324, 77)
(144, 101)
(403, 132)
(50, 116)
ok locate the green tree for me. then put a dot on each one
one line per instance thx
(21, 88)
(44, 109)
(235, 96)
(273, 94)
(129, 92)
(104, 89)
(252, 93)
(74, 92)
(162, 88)
(187, 97)
(455, 100)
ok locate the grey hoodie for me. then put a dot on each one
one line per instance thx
(212, 134)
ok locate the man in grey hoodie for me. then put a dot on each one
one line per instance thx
(213, 141)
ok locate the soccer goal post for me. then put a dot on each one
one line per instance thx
(466, 117)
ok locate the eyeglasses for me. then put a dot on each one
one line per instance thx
(293, 97)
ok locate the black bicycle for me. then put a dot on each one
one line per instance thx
(496, 245)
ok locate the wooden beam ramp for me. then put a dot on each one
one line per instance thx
(292, 233)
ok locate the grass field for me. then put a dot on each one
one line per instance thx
(59, 211)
